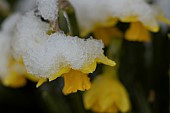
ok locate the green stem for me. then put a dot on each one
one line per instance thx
(63, 24)
(71, 17)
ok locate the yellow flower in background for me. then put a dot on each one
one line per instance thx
(109, 13)
(14, 77)
(106, 34)
(107, 95)
(17, 75)
(14, 80)
(11, 72)
(137, 32)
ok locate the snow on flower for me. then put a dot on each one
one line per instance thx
(5, 53)
(5, 42)
(46, 54)
(125, 10)
(10, 71)
(50, 56)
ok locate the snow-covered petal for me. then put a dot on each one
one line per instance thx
(5, 53)
(46, 55)
(91, 12)
(9, 24)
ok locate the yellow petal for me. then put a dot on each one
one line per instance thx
(14, 80)
(103, 59)
(41, 81)
(153, 28)
(106, 95)
(89, 99)
(106, 34)
(14, 77)
(108, 23)
(129, 19)
(121, 100)
(164, 19)
(22, 70)
(90, 68)
(21, 60)
(62, 71)
(137, 32)
(31, 77)
(112, 109)
(93, 97)
(84, 32)
(74, 81)
(150, 24)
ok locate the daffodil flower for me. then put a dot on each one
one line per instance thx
(51, 56)
(107, 95)
(92, 14)
(137, 32)
(106, 34)
(12, 73)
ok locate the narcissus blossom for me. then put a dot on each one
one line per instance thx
(107, 95)
(11, 72)
(50, 56)
(137, 32)
(94, 13)
(106, 34)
